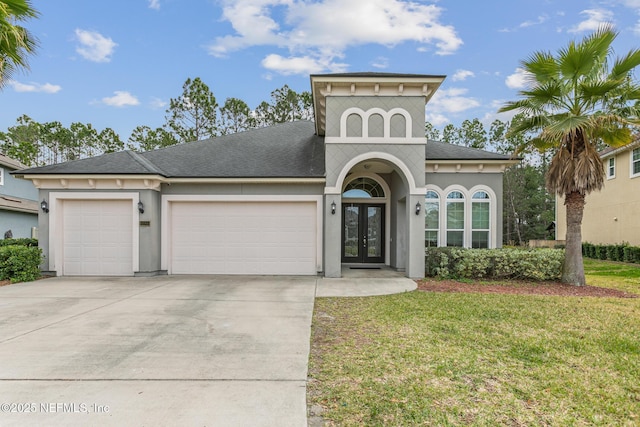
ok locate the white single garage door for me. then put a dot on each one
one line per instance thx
(97, 238)
(243, 238)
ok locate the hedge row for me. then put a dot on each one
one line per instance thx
(622, 252)
(19, 242)
(20, 260)
(458, 263)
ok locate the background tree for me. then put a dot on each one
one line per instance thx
(235, 116)
(22, 141)
(16, 42)
(450, 134)
(192, 116)
(431, 133)
(286, 106)
(472, 134)
(578, 98)
(143, 138)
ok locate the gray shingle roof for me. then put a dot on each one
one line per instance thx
(443, 151)
(287, 150)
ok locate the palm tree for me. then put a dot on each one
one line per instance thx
(576, 101)
(16, 43)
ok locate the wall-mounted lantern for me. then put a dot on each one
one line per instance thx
(140, 207)
(44, 206)
(333, 208)
(418, 208)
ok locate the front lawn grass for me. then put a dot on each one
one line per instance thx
(426, 358)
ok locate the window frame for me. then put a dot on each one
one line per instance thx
(481, 201)
(489, 198)
(611, 167)
(437, 202)
(633, 162)
(449, 202)
(1, 176)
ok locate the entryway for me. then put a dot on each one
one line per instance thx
(363, 233)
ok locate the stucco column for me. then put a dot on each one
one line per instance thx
(415, 238)
(332, 236)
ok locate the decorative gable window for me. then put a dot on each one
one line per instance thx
(635, 162)
(611, 167)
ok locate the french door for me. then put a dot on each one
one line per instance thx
(362, 233)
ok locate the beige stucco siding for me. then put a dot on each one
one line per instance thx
(611, 215)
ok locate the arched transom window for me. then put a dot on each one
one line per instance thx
(363, 188)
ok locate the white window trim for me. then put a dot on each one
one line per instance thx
(631, 174)
(608, 166)
(1, 176)
(437, 201)
(468, 193)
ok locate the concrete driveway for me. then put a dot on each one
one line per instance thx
(170, 350)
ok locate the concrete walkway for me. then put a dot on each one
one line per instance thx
(169, 350)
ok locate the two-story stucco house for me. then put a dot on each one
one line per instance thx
(611, 214)
(18, 201)
(358, 186)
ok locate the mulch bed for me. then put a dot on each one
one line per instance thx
(521, 288)
(5, 282)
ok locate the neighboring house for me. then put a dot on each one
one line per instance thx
(611, 214)
(301, 198)
(18, 201)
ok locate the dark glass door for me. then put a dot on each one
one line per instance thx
(362, 233)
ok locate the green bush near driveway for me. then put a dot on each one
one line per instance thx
(458, 263)
(20, 263)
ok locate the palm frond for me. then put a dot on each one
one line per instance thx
(623, 66)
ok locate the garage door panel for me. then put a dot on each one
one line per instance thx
(97, 237)
(243, 238)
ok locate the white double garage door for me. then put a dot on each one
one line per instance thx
(101, 237)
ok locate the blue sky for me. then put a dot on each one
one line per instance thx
(117, 63)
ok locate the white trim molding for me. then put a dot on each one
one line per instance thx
(168, 199)
(55, 216)
(375, 155)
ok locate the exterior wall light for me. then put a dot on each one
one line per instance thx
(418, 208)
(140, 207)
(44, 206)
(333, 208)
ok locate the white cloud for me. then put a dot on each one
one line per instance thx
(437, 120)
(540, 20)
(326, 28)
(452, 101)
(35, 87)
(303, 65)
(120, 99)
(157, 103)
(154, 4)
(380, 62)
(461, 75)
(517, 80)
(94, 46)
(595, 19)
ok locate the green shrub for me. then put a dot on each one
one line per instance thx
(19, 242)
(621, 252)
(536, 264)
(20, 263)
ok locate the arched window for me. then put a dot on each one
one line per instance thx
(480, 219)
(398, 125)
(363, 188)
(376, 126)
(354, 125)
(455, 219)
(431, 219)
